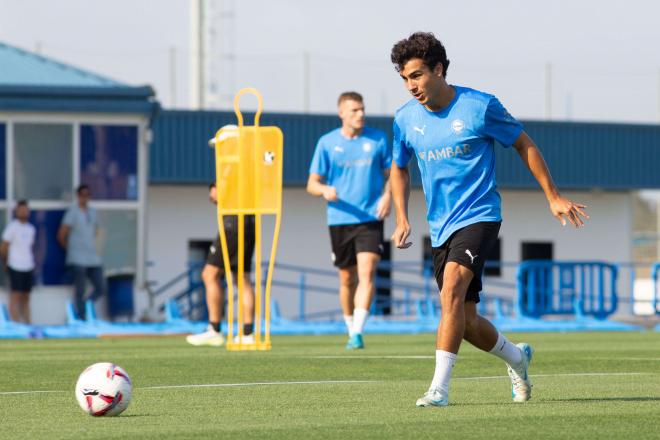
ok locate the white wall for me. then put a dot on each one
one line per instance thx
(177, 214)
(606, 236)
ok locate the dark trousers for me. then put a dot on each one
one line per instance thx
(95, 276)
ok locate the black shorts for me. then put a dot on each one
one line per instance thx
(21, 281)
(214, 257)
(348, 240)
(468, 247)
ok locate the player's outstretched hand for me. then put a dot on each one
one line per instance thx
(330, 193)
(563, 209)
(400, 235)
(384, 206)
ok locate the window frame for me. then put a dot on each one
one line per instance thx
(76, 120)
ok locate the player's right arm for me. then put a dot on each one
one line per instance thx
(316, 187)
(318, 170)
(400, 186)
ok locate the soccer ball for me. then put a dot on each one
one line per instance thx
(103, 389)
(269, 157)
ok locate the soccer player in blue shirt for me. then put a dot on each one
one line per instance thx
(350, 169)
(451, 131)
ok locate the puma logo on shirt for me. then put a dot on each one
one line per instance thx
(421, 130)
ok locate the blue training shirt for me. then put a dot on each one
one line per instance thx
(455, 153)
(355, 168)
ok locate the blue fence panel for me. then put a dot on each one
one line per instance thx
(566, 288)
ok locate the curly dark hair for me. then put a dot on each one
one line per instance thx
(423, 45)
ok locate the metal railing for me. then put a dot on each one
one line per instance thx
(595, 288)
(406, 298)
(190, 300)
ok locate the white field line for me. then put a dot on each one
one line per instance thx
(256, 384)
(369, 357)
(215, 385)
(326, 382)
(11, 393)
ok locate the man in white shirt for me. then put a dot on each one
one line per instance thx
(17, 253)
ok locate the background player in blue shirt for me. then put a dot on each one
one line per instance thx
(349, 170)
(451, 131)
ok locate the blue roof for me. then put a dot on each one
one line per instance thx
(20, 67)
(580, 155)
(31, 82)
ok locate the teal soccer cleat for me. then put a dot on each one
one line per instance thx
(355, 342)
(521, 385)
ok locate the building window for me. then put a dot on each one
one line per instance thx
(198, 251)
(493, 266)
(117, 240)
(109, 161)
(49, 161)
(43, 161)
(536, 250)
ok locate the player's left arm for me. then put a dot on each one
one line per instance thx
(561, 207)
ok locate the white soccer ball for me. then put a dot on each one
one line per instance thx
(103, 389)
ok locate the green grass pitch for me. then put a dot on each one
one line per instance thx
(586, 386)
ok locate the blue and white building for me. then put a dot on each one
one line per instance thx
(600, 165)
(59, 127)
(149, 171)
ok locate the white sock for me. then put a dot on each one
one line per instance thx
(506, 350)
(348, 319)
(444, 364)
(359, 319)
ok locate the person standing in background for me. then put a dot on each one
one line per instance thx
(77, 234)
(350, 170)
(17, 254)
